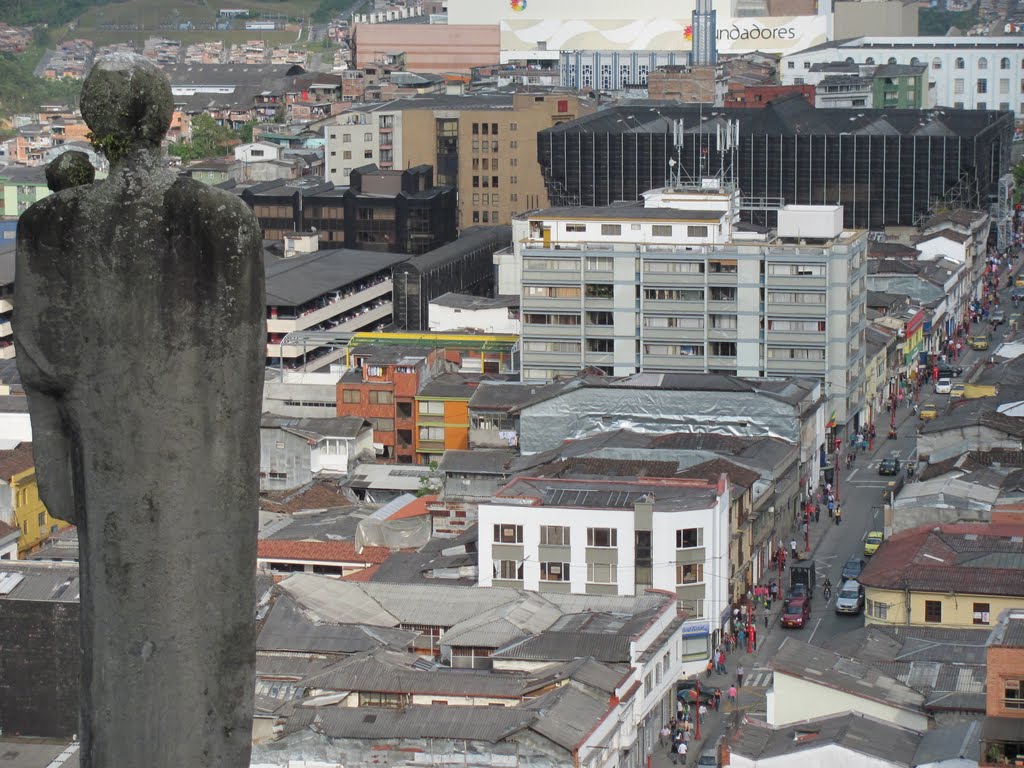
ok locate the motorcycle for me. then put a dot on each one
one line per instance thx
(828, 592)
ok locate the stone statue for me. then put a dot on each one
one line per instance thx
(140, 340)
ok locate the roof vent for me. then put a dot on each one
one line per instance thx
(971, 536)
(800, 735)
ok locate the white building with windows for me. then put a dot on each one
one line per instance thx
(963, 72)
(678, 284)
(368, 133)
(618, 537)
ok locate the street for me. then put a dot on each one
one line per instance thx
(861, 489)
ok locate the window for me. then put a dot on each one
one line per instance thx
(692, 573)
(1004, 63)
(554, 571)
(982, 63)
(431, 407)
(958, 85)
(700, 230)
(1013, 694)
(552, 291)
(689, 322)
(575, 227)
(381, 396)
(508, 534)
(42, 520)
(661, 230)
(347, 138)
(350, 396)
(598, 291)
(1004, 85)
(798, 270)
(600, 318)
(881, 610)
(791, 353)
(727, 322)
(382, 425)
(513, 126)
(602, 537)
(554, 536)
(673, 266)
(552, 265)
(982, 85)
(601, 573)
(723, 294)
(347, 154)
(673, 294)
(981, 614)
(600, 263)
(723, 348)
(790, 65)
(562, 347)
(689, 538)
(936, 63)
(611, 229)
(784, 297)
(933, 611)
(508, 569)
(600, 345)
(959, 63)
(551, 319)
(367, 154)
(428, 434)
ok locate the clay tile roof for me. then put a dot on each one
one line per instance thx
(320, 551)
(16, 460)
(415, 508)
(966, 558)
(711, 470)
(366, 574)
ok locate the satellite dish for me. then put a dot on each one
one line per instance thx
(671, 163)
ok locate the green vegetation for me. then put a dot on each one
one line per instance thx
(21, 91)
(52, 12)
(1018, 182)
(935, 22)
(330, 9)
(209, 140)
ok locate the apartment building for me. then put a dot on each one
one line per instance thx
(966, 72)
(677, 284)
(614, 537)
(484, 145)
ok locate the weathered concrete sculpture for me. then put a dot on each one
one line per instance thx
(141, 345)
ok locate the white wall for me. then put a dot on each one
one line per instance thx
(825, 756)
(9, 551)
(792, 699)
(257, 152)
(941, 246)
(15, 426)
(495, 320)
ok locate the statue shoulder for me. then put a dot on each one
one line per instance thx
(219, 208)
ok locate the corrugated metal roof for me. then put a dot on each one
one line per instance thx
(288, 628)
(566, 716)
(41, 581)
(564, 646)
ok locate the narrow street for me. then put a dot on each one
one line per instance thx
(861, 489)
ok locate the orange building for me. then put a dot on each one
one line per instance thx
(382, 385)
(1002, 739)
(428, 47)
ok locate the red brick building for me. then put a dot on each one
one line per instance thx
(758, 95)
(1002, 739)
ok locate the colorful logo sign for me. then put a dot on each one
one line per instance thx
(688, 32)
(518, 5)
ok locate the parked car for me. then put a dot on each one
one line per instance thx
(998, 316)
(1018, 292)
(852, 568)
(711, 757)
(958, 390)
(889, 466)
(798, 591)
(942, 386)
(872, 542)
(1019, 281)
(796, 612)
(977, 342)
(685, 692)
(850, 598)
(929, 412)
(947, 371)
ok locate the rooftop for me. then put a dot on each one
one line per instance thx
(466, 301)
(960, 558)
(293, 282)
(664, 493)
(24, 580)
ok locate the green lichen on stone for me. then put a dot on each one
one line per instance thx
(71, 169)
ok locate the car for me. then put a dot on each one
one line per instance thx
(850, 598)
(929, 412)
(798, 591)
(685, 691)
(942, 386)
(1019, 282)
(947, 371)
(997, 316)
(889, 466)
(958, 390)
(1018, 292)
(796, 612)
(852, 568)
(979, 343)
(872, 542)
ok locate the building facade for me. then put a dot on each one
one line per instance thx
(967, 72)
(673, 286)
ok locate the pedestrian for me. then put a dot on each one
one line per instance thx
(817, 512)
(753, 633)
(682, 749)
(792, 548)
(743, 637)
(732, 695)
(839, 515)
(672, 755)
(711, 667)
(721, 662)
(739, 676)
(766, 621)
(775, 590)
(665, 735)
(702, 712)
(718, 699)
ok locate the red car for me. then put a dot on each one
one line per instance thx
(796, 612)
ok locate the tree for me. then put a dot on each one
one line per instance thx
(208, 140)
(245, 132)
(1018, 181)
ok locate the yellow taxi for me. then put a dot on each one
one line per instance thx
(873, 541)
(929, 412)
(958, 390)
(977, 342)
(1019, 282)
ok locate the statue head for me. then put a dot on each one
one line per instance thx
(127, 104)
(70, 169)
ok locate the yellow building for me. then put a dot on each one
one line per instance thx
(950, 575)
(20, 504)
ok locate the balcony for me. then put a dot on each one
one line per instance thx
(7, 352)
(336, 307)
(6, 305)
(493, 438)
(356, 323)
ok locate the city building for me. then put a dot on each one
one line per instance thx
(676, 285)
(460, 311)
(856, 18)
(396, 211)
(381, 385)
(442, 414)
(20, 505)
(295, 451)
(787, 152)
(967, 72)
(846, 85)
(328, 292)
(465, 265)
(427, 47)
(484, 145)
(618, 536)
(7, 248)
(1002, 737)
(953, 575)
(9, 536)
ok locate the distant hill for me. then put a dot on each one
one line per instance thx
(52, 12)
